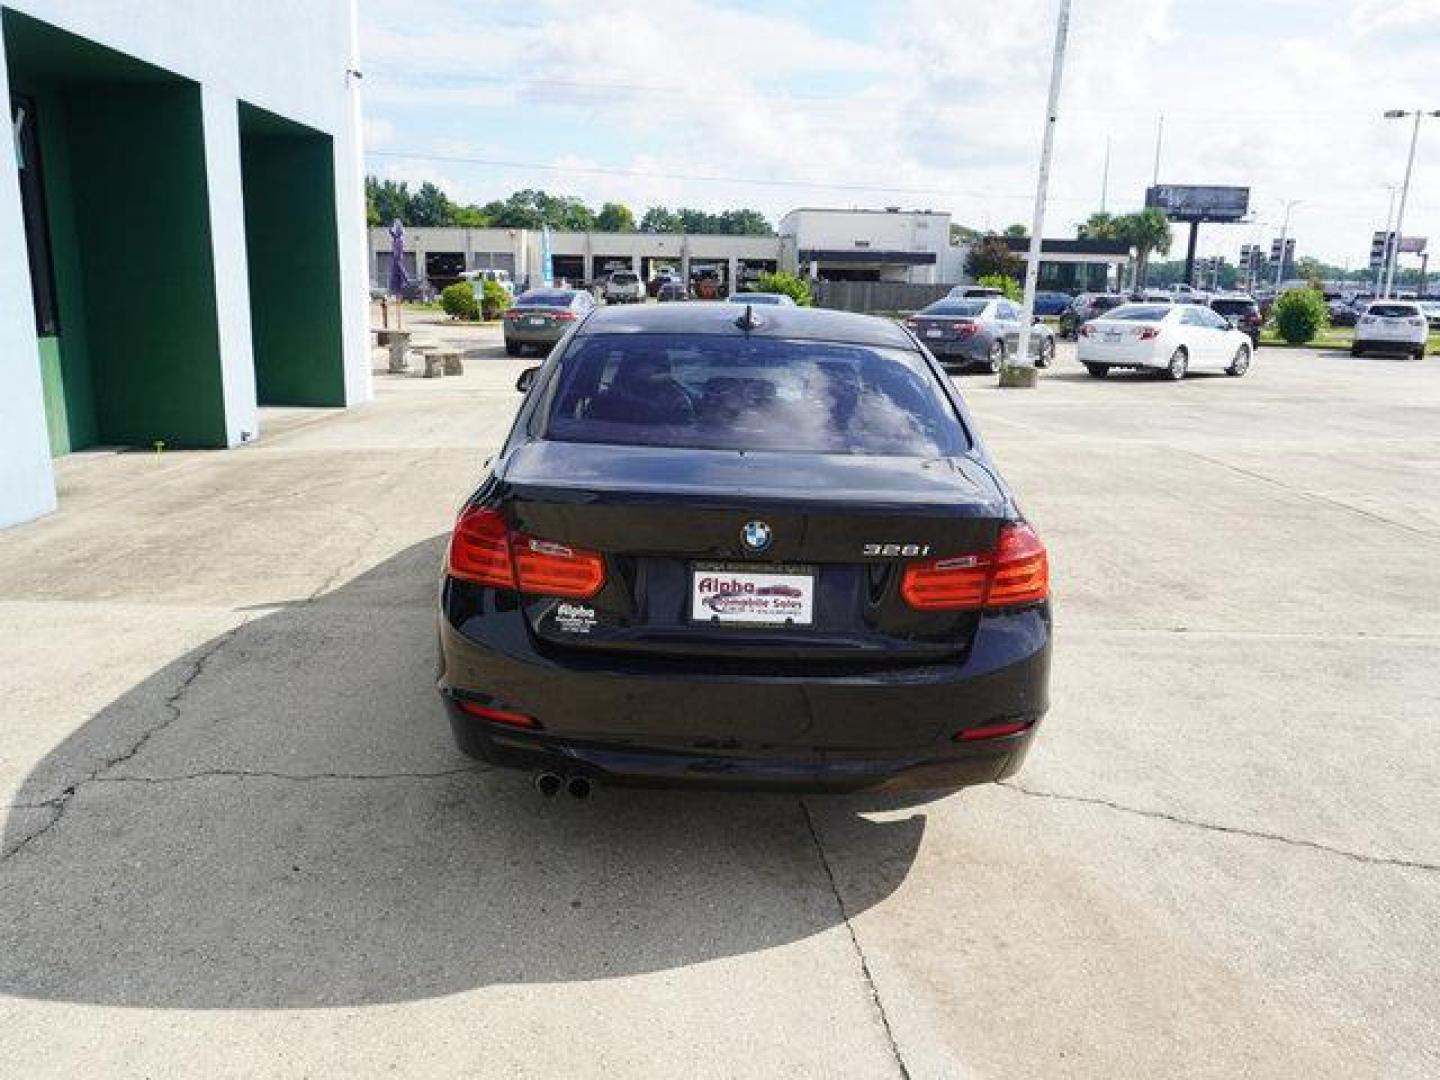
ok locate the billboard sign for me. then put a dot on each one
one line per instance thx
(1189, 202)
(1412, 245)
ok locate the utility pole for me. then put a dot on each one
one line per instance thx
(1159, 138)
(1397, 114)
(1023, 372)
(1105, 177)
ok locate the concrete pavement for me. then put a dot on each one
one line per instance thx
(238, 841)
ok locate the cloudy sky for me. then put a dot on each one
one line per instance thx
(924, 103)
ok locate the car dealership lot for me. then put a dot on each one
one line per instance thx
(240, 842)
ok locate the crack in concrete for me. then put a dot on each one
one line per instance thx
(1230, 830)
(865, 972)
(61, 802)
(1314, 496)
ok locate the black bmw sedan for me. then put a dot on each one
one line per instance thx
(741, 547)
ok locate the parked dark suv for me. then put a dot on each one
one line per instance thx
(1085, 307)
(1242, 310)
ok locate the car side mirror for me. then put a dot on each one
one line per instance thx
(526, 379)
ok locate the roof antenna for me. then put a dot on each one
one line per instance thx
(748, 322)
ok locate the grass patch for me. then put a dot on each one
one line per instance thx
(1332, 337)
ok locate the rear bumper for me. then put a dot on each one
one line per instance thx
(619, 723)
(966, 351)
(522, 336)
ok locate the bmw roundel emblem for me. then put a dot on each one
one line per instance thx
(756, 536)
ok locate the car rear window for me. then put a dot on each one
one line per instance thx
(626, 278)
(547, 298)
(1140, 312)
(722, 392)
(1393, 311)
(1233, 307)
(965, 309)
(1105, 303)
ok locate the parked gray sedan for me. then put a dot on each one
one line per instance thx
(541, 317)
(980, 331)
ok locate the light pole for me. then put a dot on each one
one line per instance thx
(1022, 372)
(1400, 114)
(1284, 228)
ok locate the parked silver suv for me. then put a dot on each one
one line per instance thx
(624, 287)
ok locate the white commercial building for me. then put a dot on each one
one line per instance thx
(182, 217)
(870, 245)
(442, 254)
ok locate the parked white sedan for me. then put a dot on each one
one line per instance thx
(1169, 338)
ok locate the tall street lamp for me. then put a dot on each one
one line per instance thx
(1400, 114)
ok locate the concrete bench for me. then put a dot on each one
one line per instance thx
(434, 365)
(452, 361)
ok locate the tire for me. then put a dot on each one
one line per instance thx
(1178, 366)
(995, 357)
(1241, 363)
(1047, 353)
(1357, 350)
(1098, 371)
(1419, 352)
(513, 348)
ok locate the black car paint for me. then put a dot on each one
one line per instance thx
(871, 696)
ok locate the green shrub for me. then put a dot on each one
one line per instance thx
(458, 300)
(494, 299)
(1299, 315)
(797, 288)
(1005, 283)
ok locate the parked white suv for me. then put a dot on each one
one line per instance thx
(1391, 326)
(624, 287)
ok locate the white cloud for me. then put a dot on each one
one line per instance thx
(940, 107)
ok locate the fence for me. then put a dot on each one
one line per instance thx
(869, 296)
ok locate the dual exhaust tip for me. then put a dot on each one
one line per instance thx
(550, 784)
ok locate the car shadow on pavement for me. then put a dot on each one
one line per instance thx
(278, 820)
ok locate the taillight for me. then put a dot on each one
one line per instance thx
(480, 549)
(483, 550)
(964, 329)
(564, 316)
(911, 324)
(498, 716)
(512, 313)
(993, 731)
(1148, 333)
(547, 569)
(1017, 571)
(1084, 330)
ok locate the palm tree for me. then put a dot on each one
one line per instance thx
(1147, 231)
(1098, 226)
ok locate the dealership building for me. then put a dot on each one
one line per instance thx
(182, 205)
(906, 247)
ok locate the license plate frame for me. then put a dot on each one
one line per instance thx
(535, 320)
(788, 599)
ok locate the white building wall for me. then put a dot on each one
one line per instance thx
(27, 483)
(289, 61)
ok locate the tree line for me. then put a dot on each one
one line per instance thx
(428, 205)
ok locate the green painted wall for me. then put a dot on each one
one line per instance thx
(141, 205)
(292, 248)
(138, 356)
(65, 360)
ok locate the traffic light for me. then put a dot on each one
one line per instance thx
(1381, 245)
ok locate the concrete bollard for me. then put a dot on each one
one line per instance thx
(398, 342)
(434, 366)
(454, 364)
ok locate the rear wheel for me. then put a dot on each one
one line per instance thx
(1357, 350)
(995, 357)
(1241, 363)
(1178, 366)
(1419, 352)
(513, 348)
(1047, 353)
(1098, 371)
